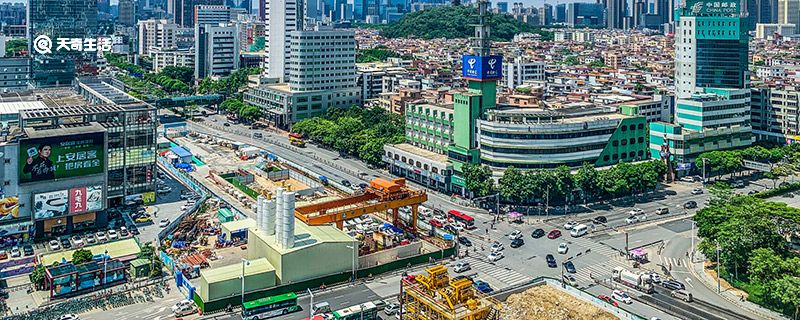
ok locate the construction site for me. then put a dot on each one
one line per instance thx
(435, 296)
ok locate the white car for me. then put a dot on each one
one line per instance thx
(497, 247)
(687, 179)
(516, 234)
(632, 219)
(392, 308)
(163, 223)
(494, 256)
(69, 317)
(635, 211)
(620, 295)
(562, 248)
(77, 241)
(697, 191)
(54, 245)
(112, 234)
(655, 277)
(101, 236)
(570, 224)
(15, 252)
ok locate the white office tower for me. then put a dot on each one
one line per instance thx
(281, 18)
(287, 236)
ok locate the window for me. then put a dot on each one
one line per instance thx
(425, 166)
(632, 141)
(641, 126)
(605, 158)
(615, 156)
(615, 143)
(632, 154)
(624, 128)
(624, 155)
(633, 127)
(624, 142)
(641, 139)
(419, 165)
(404, 159)
(641, 153)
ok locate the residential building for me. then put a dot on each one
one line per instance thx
(521, 70)
(182, 11)
(14, 74)
(172, 57)
(774, 114)
(156, 35)
(211, 14)
(789, 13)
(371, 77)
(282, 19)
(217, 50)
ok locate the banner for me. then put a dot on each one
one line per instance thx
(43, 159)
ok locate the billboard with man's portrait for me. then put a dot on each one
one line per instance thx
(51, 158)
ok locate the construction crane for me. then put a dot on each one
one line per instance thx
(434, 296)
(380, 196)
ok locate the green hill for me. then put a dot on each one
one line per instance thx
(454, 22)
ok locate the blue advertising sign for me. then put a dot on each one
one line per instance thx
(486, 68)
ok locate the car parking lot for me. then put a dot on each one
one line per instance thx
(168, 206)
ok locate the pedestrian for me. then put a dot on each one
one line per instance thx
(487, 230)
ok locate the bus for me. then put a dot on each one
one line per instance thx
(296, 139)
(364, 311)
(269, 307)
(457, 216)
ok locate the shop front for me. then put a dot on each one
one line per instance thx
(65, 279)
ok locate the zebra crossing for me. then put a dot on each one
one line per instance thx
(499, 273)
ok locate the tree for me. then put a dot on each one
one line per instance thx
(511, 184)
(765, 265)
(15, 47)
(586, 180)
(184, 74)
(478, 179)
(787, 291)
(37, 276)
(81, 256)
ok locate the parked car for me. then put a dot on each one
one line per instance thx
(65, 242)
(54, 245)
(570, 267)
(482, 286)
(123, 231)
(620, 295)
(101, 236)
(570, 280)
(562, 248)
(690, 205)
(163, 223)
(697, 191)
(27, 250)
(15, 252)
(600, 219)
(69, 317)
(391, 309)
(516, 243)
(687, 179)
(134, 230)
(737, 184)
(76, 239)
(516, 234)
(164, 190)
(551, 261)
(538, 233)
(90, 239)
(3, 255)
(554, 234)
(494, 256)
(570, 224)
(112, 234)
(673, 285)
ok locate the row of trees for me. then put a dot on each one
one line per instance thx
(228, 85)
(751, 234)
(377, 54)
(240, 109)
(562, 184)
(784, 160)
(361, 132)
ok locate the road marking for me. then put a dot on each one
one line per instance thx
(689, 282)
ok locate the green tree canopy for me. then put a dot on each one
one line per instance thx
(81, 256)
(478, 179)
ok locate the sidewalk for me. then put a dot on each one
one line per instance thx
(711, 283)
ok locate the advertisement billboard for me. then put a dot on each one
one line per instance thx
(704, 8)
(482, 68)
(43, 159)
(68, 202)
(9, 207)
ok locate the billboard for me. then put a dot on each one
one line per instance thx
(703, 8)
(67, 202)
(43, 159)
(9, 207)
(482, 68)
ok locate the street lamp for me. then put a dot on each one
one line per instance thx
(105, 277)
(719, 289)
(245, 262)
(354, 261)
(704, 169)
(310, 304)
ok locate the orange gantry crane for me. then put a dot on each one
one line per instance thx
(381, 195)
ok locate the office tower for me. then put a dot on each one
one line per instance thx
(546, 15)
(789, 13)
(240, 4)
(156, 34)
(12, 13)
(358, 9)
(208, 14)
(711, 83)
(638, 11)
(561, 13)
(60, 19)
(615, 13)
(104, 6)
(502, 7)
(282, 18)
(584, 14)
(182, 11)
(127, 13)
(216, 50)
(766, 11)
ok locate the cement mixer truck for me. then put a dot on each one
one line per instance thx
(640, 281)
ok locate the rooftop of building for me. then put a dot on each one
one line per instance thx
(234, 271)
(305, 236)
(16, 107)
(422, 153)
(114, 249)
(578, 114)
(63, 130)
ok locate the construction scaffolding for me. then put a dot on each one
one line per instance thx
(434, 296)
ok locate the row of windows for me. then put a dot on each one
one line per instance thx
(624, 156)
(546, 136)
(583, 148)
(417, 164)
(625, 142)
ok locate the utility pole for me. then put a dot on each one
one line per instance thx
(626, 245)
(547, 202)
(719, 287)
(704, 169)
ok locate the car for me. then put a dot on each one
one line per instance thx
(69, 317)
(562, 248)
(15, 252)
(226, 124)
(516, 234)
(163, 223)
(570, 280)
(697, 191)
(662, 210)
(450, 229)
(257, 135)
(101, 236)
(164, 190)
(27, 250)
(737, 184)
(461, 266)
(143, 220)
(464, 241)
(687, 179)
(690, 205)
(673, 284)
(186, 196)
(682, 294)
(112, 234)
(134, 230)
(570, 224)
(494, 256)
(553, 234)
(635, 211)
(655, 277)
(632, 219)
(3, 255)
(600, 219)
(620, 295)
(54, 245)
(346, 183)
(538, 233)
(435, 223)
(482, 286)
(516, 243)
(570, 267)
(391, 309)
(497, 246)
(76, 239)
(90, 239)
(123, 231)
(551, 261)
(65, 242)
(752, 192)
(363, 185)
(608, 300)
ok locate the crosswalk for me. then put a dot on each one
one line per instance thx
(499, 273)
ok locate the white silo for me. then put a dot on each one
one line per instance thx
(259, 211)
(287, 240)
(269, 217)
(278, 214)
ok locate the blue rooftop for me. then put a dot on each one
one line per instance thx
(180, 152)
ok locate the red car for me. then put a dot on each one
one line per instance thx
(608, 300)
(435, 223)
(554, 234)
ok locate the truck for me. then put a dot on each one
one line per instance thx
(323, 180)
(640, 281)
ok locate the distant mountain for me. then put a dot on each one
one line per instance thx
(454, 22)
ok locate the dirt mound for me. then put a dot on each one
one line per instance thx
(548, 303)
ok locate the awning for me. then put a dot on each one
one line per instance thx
(514, 214)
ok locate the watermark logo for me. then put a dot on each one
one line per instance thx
(44, 44)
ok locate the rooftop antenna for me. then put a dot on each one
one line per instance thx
(480, 42)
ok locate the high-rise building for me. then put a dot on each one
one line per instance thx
(546, 15)
(12, 13)
(665, 9)
(216, 50)
(502, 7)
(240, 4)
(561, 13)
(127, 13)
(766, 11)
(282, 18)
(60, 19)
(638, 11)
(584, 14)
(156, 34)
(711, 84)
(615, 13)
(182, 11)
(104, 6)
(789, 13)
(211, 14)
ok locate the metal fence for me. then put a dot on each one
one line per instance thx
(190, 183)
